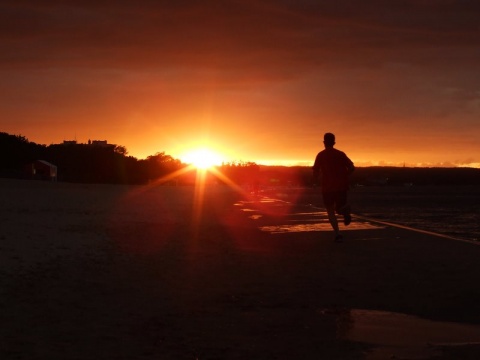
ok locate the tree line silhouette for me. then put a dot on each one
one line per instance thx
(87, 163)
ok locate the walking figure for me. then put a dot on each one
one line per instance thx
(334, 167)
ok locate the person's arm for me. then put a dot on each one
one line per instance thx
(350, 168)
(349, 165)
(316, 171)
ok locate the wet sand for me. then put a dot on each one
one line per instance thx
(118, 272)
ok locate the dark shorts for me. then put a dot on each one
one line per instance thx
(335, 200)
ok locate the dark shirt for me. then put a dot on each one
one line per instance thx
(334, 167)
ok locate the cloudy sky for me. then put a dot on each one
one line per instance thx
(397, 81)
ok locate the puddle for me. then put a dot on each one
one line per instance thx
(400, 336)
(268, 201)
(319, 225)
(318, 213)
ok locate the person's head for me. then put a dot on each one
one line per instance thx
(329, 139)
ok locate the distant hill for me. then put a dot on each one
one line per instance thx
(377, 176)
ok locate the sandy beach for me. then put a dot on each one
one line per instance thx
(131, 272)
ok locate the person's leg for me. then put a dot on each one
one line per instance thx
(342, 207)
(332, 218)
(329, 203)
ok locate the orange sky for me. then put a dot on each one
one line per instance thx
(397, 81)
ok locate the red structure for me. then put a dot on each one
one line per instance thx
(41, 170)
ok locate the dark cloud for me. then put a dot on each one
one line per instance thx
(231, 34)
(372, 64)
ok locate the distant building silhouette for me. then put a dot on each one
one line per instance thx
(101, 143)
(97, 143)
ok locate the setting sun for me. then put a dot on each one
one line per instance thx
(202, 158)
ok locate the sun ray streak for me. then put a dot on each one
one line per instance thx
(164, 179)
(225, 179)
(198, 203)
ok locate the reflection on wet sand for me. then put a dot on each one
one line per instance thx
(387, 335)
(299, 220)
(400, 336)
(320, 225)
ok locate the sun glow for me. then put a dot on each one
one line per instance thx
(202, 158)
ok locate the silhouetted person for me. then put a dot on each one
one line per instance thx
(334, 167)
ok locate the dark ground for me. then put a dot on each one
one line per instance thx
(123, 273)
